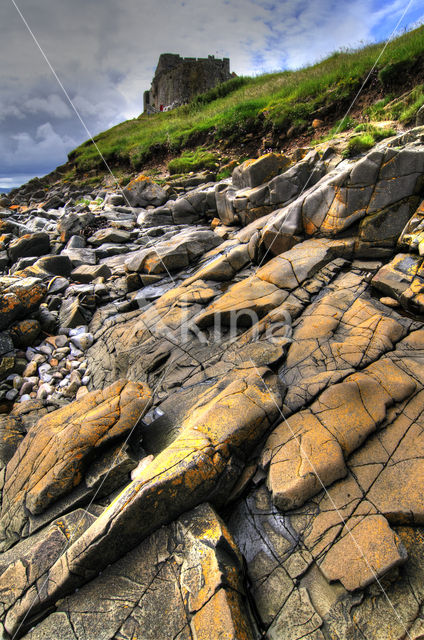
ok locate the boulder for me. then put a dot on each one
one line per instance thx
(252, 173)
(25, 332)
(56, 265)
(87, 273)
(35, 244)
(225, 195)
(74, 313)
(19, 296)
(142, 191)
(394, 278)
(109, 235)
(45, 267)
(80, 255)
(174, 254)
(73, 224)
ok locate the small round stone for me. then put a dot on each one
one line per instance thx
(389, 302)
(12, 395)
(83, 341)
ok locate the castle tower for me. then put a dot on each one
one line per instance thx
(178, 80)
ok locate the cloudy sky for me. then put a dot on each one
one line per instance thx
(105, 53)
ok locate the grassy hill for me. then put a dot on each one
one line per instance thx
(278, 106)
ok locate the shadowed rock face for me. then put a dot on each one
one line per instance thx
(274, 488)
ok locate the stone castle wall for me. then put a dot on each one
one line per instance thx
(177, 80)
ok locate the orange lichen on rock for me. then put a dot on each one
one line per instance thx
(138, 180)
(223, 614)
(308, 450)
(356, 560)
(203, 463)
(50, 460)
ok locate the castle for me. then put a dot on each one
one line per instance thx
(177, 80)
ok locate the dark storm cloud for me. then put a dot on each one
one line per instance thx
(105, 53)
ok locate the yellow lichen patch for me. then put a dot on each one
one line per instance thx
(222, 617)
(140, 179)
(303, 456)
(203, 463)
(48, 462)
(356, 559)
(309, 449)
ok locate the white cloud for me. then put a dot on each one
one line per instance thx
(106, 55)
(13, 181)
(33, 150)
(10, 111)
(53, 106)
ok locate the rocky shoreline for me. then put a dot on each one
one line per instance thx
(211, 404)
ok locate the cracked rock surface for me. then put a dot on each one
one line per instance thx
(217, 431)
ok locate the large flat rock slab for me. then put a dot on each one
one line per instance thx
(185, 581)
(52, 457)
(247, 301)
(203, 463)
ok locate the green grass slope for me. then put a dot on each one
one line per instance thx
(276, 104)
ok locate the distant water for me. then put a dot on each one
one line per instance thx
(6, 189)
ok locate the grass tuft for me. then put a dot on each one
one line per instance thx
(369, 136)
(195, 160)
